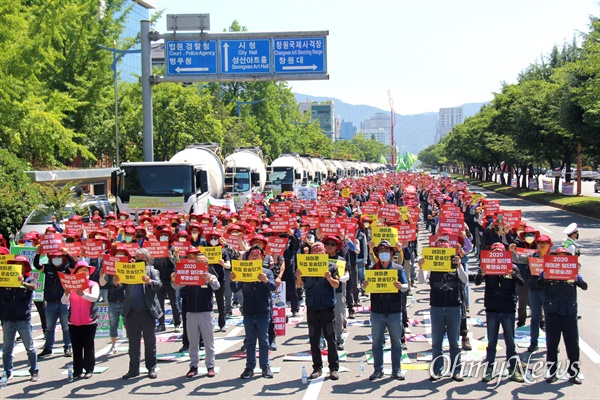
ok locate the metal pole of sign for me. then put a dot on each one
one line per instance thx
(116, 101)
(148, 128)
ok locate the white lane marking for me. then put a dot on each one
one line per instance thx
(235, 331)
(544, 229)
(313, 389)
(591, 353)
(525, 219)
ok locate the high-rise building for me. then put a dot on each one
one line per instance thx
(347, 130)
(325, 113)
(130, 66)
(446, 120)
(379, 127)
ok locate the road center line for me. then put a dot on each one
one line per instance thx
(591, 353)
(544, 229)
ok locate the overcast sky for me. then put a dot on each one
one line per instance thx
(427, 54)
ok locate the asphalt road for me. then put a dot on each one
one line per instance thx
(287, 382)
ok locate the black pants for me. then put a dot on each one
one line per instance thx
(139, 324)
(163, 292)
(322, 323)
(82, 343)
(567, 326)
(291, 292)
(184, 339)
(352, 288)
(41, 309)
(220, 298)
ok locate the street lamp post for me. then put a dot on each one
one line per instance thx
(117, 55)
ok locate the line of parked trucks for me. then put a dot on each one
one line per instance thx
(197, 177)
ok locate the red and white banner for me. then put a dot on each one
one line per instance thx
(560, 267)
(494, 262)
(190, 273)
(73, 282)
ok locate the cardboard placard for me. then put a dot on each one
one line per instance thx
(525, 252)
(312, 265)
(276, 245)
(9, 275)
(74, 248)
(73, 282)
(511, 218)
(109, 263)
(452, 239)
(406, 232)
(341, 265)
(190, 273)
(536, 265)
(246, 270)
(280, 207)
(93, 248)
(214, 253)
(369, 207)
(51, 243)
(329, 226)
(438, 259)
(560, 267)
(455, 224)
(281, 223)
(74, 225)
(494, 262)
(381, 280)
(6, 257)
(379, 233)
(130, 273)
(232, 241)
(157, 248)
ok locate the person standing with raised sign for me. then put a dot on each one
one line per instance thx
(386, 312)
(83, 316)
(500, 302)
(59, 261)
(446, 301)
(200, 317)
(256, 311)
(320, 314)
(15, 314)
(141, 310)
(560, 306)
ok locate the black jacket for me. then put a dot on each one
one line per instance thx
(15, 303)
(257, 295)
(445, 289)
(53, 290)
(386, 303)
(500, 291)
(561, 296)
(149, 294)
(320, 295)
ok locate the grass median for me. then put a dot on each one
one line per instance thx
(584, 205)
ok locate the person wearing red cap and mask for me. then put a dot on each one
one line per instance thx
(500, 301)
(525, 240)
(560, 307)
(15, 313)
(60, 261)
(83, 316)
(536, 295)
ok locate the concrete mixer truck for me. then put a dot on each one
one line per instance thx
(189, 182)
(245, 174)
(286, 173)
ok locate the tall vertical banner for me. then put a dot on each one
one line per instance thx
(279, 309)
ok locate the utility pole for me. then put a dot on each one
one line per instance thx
(392, 123)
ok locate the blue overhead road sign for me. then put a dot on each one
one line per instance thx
(245, 56)
(299, 55)
(191, 57)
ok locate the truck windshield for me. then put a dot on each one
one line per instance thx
(163, 180)
(283, 175)
(241, 181)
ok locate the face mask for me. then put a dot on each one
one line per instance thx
(182, 239)
(174, 224)
(234, 220)
(366, 225)
(384, 257)
(27, 244)
(123, 218)
(139, 236)
(120, 255)
(57, 261)
(128, 239)
(265, 226)
(98, 236)
(214, 242)
(205, 221)
(164, 238)
(530, 239)
(194, 236)
(193, 220)
(70, 240)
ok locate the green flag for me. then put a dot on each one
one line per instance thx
(382, 159)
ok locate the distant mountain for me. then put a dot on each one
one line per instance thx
(412, 132)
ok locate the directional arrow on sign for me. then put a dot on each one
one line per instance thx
(300, 67)
(226, 51)
(200, 69)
